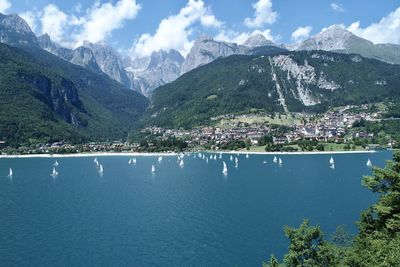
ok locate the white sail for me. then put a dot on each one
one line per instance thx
(215, 157)
(56, 164)
(280, 161)
(332, 166)
(95, 160)
(332, 161)
(206, 160)
(224, 169)
(211, 157)
(236, 164)
(220, 155)
(10, 173)
(130, 161)
(181, 164)
(101, 169)
(231, 158)
(369, 163)
(247, 156)
(153, 169)
(236, 160)
(159, 159)
(54, 173)
(134, 160)
(275, 159)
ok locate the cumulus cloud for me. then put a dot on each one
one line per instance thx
(337, 7)
(263, 14)
(54, 22)
(174, 31)
(387, 30)
(241, 37)
(301, 33)
(4, 5)
(95, 24)
(102, 19)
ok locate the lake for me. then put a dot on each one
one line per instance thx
(191, 215)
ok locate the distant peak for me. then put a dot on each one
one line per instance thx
(257, 40)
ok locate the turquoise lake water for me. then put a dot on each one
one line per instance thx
(190, 216)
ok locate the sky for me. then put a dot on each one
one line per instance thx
(140, 27)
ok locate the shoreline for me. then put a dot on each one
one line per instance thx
(166, 154)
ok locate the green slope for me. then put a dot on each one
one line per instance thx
(242, 83)
(43, 98)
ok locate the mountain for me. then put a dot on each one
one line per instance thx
(162, 67)
(109, 61)
(258, 40)
(290, 81)
(336, 38)
(15, 31)
(44, 98)
(206, 50)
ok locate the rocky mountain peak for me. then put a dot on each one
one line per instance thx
(14, 30)
(257, 40)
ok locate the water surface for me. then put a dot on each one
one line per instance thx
(178, 216)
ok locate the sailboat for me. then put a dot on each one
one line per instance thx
(332, 166)
(95, 160)
(332, 161)
(159, 159)
(224, 169)
(10, 173)
(153, 169)
(275, 159)
(206, 160)
(56, 164)
(236, 160)
(101, 169)
(54, 173)
(130, 161)
(369, 163)
(220, 155)
(181, 163)
(280, 161)
(236, 163)
(215, 157)
(231, 158)
(134, 161)
(247, 156)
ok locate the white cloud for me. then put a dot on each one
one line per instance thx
(4, 5)
(102, 19)
(30, 18)
(54, 22)
(263, 14)
(387, 30)
(337, 7)
(241, 37)
(95, 24)
(301, 33)
(174, 31)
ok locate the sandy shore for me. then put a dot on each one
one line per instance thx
(136, 154)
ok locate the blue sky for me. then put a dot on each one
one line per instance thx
(134, 25)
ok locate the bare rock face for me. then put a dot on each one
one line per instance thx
(206, 50)
(109, 61)
(258, 40)
(15, 31)
(162, 67)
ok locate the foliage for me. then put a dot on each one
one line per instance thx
(242, 83)
(44, 99)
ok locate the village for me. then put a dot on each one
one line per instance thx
(333, 126)
(283, 130)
